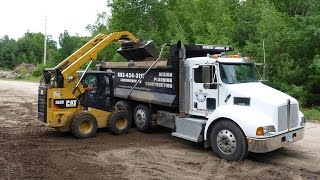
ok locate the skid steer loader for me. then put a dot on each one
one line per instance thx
(82, 101)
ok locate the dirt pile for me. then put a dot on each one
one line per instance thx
(24, 68)
(10, 75)
(21, 70)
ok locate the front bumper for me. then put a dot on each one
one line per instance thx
(272, 143)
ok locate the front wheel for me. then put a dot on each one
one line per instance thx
(228, 141)
(84, 125)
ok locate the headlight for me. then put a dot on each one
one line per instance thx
(303, 121)
(265, 130)
(70, 79)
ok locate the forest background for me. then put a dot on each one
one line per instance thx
(290, 30)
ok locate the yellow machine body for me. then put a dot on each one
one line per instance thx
(61, 88)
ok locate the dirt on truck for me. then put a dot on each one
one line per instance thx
(28, 150)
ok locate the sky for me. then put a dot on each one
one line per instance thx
(19, 16)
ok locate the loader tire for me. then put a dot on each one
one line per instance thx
(119, 122)
(84, 125)
(124, 106)
(228, 141)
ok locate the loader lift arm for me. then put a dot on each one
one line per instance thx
(66, 71)
(91, 49)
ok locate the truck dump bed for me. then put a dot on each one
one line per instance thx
(157, 87)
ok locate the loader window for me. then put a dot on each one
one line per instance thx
(97, 94)
(90, 82)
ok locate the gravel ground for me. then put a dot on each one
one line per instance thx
(30, 150)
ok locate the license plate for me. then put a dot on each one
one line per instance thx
(289, 137)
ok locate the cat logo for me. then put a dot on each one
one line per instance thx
(71, 103)
(65, 103)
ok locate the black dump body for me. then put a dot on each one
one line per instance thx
(161, 85)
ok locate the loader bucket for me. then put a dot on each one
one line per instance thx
(138, 52)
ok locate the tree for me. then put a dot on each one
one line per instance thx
(68, 45)
(243, 24)
(7, 52)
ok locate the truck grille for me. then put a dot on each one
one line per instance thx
(283, 117)
(42, 104)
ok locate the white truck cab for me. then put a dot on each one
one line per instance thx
(240, 113)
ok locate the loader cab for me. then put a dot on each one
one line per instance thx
(99, 92)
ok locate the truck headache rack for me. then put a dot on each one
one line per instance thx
(202, 50)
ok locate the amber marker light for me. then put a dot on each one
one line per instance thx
(250, 141)
(260, 131)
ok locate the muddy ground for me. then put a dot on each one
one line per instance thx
(29, 150)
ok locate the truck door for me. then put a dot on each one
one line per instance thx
(204, 89)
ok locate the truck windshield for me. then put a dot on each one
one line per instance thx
(238, 73)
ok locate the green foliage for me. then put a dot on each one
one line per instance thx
(289, 30)
(28, 79)
(7, 48)
(69, 44)
(311, 113)
(38, 71)
(27, 49)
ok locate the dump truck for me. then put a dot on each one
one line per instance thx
(205, 96)
(82, 101)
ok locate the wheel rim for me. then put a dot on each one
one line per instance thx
(85, 126)
(226, 141)
(140, 117)
(121, 123)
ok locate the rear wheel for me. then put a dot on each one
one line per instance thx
(228, 141)
(119, 122)
(142, 117)
(84, 125)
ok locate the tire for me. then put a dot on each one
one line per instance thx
(84, 125)
(119, 122)
(142, 118)
(228, 141)
(124, 106)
